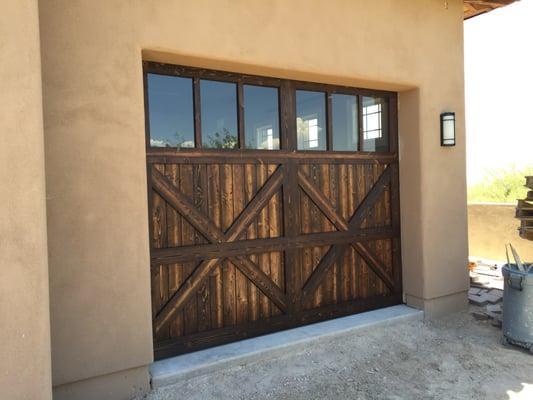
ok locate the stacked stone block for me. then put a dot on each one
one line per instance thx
(524, 212)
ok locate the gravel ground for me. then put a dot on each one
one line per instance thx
(456, 357)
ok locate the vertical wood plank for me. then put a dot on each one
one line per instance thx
(174, 239)
(251, 233)
(241, 282)
(363, 190)
(377, 245)
(343, 207)
(395, 222)
(159, 241)
(190, 317)
(369, 182)
(274, 231)
(305, 227)
(214, 212)
(200, 201)
(291, 220)
(334, 187)
(292, 227)
(326, 227)
(228, 275)
(352, 200)
(316, 215)
(262, 232)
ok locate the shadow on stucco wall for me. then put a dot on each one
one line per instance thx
(490, 227)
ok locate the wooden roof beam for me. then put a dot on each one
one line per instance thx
(472, 8)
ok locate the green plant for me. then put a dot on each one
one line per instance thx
(501, 186)
(222, 141)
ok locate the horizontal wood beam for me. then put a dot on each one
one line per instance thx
(257, 246)
(220, 156)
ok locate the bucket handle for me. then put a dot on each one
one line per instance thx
(515, 281)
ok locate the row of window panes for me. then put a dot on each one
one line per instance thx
(171, 117)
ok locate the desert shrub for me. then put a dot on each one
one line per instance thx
(501, 186)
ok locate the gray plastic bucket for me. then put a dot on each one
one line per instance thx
(518, 307)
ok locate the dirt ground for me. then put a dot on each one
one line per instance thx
(456, 357)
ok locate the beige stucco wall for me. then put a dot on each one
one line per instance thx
(94, 132)
(491, 227)
(24, 308)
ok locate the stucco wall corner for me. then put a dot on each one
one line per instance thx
(25, 371)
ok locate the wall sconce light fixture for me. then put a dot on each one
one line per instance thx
(447, 129)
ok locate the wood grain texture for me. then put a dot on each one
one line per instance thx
(245, 242)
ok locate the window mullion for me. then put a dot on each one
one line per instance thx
(240, 114)
(287, 104)
(329, 122)
(361, 123)
(197, 114)
(393, 123)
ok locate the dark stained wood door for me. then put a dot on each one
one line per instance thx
(247, 242)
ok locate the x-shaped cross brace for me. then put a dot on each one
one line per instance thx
(203, 224)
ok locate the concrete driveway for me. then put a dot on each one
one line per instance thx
(456, 357)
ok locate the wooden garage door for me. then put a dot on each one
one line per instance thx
(272, 204)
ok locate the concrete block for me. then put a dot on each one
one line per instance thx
(493, 315)
(494, 308)
(181, 368)
(478, 300)
(492, 298)
(484, 298)
(480, 316)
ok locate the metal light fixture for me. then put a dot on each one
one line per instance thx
(447, 129)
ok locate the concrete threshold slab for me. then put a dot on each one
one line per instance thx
(176, 369)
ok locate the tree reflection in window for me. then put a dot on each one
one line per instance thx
(224, 140)
(218, 114)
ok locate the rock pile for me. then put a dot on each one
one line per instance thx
(490, 299)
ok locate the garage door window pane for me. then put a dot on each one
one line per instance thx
(375, 124)
(170, 108)
(344, 122)
(311, 120)
(218, 114)
(261, 117)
